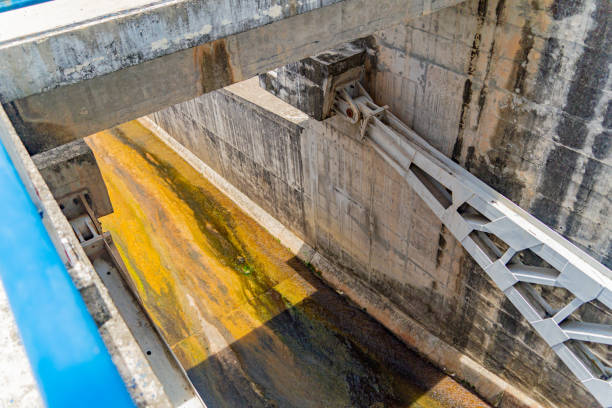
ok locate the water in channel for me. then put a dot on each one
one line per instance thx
(251, 324)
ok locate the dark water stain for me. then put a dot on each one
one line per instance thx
(549, 67)
(499, 165)
(585, 92)
(498, 355)
(482, 96)
(560, 164)
(561, 9)
(463, 115)
(522, 56)
(602, 144)
(484, 89)
(593, 169)
(603, 141)
(509, 143)
(441, 246)
(607, 120)
(462, 321)
(607, 259)
(470, 158)
(467, 85)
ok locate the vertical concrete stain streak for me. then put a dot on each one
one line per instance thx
(467, 87)
(213, 62)
(522, 57)
(500, 166)
(584, 94)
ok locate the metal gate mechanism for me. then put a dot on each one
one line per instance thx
(518, 252)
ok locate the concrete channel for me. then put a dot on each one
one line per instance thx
(250, 323)
(406, 205)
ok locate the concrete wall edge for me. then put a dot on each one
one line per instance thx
(125, 352)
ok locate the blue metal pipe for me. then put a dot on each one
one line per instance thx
(6, 5)
(67, 355)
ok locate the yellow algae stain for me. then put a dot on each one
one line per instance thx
(213, 255)
(131, 220)
(191, 351)
(250, 324)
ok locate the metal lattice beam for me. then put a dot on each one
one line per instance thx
(496, 232)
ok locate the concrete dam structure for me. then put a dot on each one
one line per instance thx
(346, 203)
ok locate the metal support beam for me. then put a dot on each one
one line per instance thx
(497, 234)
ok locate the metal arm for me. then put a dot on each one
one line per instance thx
(498, 234)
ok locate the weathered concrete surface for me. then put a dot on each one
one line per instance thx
(340, 198)
(310, 84)
(89, 75)
(141, 382)
(521, 97)
(72, 168)
(295, 80)
(519, 93)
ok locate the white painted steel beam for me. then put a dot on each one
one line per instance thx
(494, 231)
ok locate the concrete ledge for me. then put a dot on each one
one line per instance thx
(490, 386)
(144, 387)
(19, 389)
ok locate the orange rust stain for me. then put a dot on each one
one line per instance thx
(214, 63)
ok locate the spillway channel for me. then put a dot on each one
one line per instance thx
(251, 324)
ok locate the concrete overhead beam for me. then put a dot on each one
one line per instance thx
(88, 68)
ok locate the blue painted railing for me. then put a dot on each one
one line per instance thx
(13, 4)
(68, 358)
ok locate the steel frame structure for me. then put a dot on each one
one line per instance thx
(498, 234)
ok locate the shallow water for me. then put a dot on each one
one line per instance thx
(251, 324)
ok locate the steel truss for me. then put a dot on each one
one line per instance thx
(519, 253)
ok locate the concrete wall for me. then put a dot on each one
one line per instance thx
(343, 200)
(72, 168)
(518, 93)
